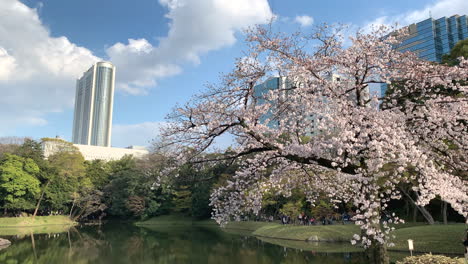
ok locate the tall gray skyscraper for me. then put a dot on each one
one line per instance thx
(94, 99)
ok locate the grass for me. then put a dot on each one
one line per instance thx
(40, 225)
(443, 239)
(23, 231)
(328, 233)
(38, 221)
(431, 238)
(248, 225)
(174, 220)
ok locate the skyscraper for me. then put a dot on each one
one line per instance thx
(432, 38)
(94, 98)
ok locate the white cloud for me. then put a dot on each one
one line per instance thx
(135, 134)
(196, 27)
(7, 65)
(37, 71)
(438, 9)
(304, 21)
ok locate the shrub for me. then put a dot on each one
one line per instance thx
(431, 259)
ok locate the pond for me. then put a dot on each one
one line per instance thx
(124, 243)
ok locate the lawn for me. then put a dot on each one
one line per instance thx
(328, 233)
(446, 239)
(248, 225)
(431, 238)
(38, 221)
(174, 220)
(26, 231)
(40, 225)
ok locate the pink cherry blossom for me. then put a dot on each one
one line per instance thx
(331, 136)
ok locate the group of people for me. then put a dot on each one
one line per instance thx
(304, 219)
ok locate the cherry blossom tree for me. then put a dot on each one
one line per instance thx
(321, 134)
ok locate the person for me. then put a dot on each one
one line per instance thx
(299, 218)
(312, 220)
(330, 219)
(345, 217)
(306, 220)
(284, 219)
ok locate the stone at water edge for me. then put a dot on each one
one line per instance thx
(313, 239)
(4, 243)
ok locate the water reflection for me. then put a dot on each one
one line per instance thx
(117, 243)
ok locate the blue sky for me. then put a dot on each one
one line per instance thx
(164, 51)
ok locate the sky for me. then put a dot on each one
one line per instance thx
(165, 51)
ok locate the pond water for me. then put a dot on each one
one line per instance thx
(125, 243)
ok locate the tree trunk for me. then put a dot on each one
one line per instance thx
(444, 212)
(71, 210)
(407, 207)
(33, 244)
(377, 253)
(40, 199)
(426, 214)
(421, 209)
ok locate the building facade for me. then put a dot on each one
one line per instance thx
(260, 91)
(52, 146)
(284, 84)
(430, 39)
(94, 99)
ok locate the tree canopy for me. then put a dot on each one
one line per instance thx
(459, 50)
(18, 184)
(328, 135)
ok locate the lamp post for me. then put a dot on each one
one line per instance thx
(410, 246)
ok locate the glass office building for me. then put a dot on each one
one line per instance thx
(94, 98)
(260, 92)
(432, 38)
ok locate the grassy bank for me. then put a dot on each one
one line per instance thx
(174, 220)
(41, 224)
(431, 238)
(38, 221)
(323, 233)
(444, 239)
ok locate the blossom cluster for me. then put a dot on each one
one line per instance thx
(322, 134)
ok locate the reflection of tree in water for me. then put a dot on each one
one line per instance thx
(128, 244)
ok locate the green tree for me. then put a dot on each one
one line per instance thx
(292, 208)
(459, 50)
(130, 194)
(122, 185)
(182, 200)
(69, 182)
(18, 183)
(7, 148)
(91, 202)
(98, 171)
(31, 149)
(127, 162)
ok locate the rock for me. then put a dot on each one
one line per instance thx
(4, 243)
(313, 239)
